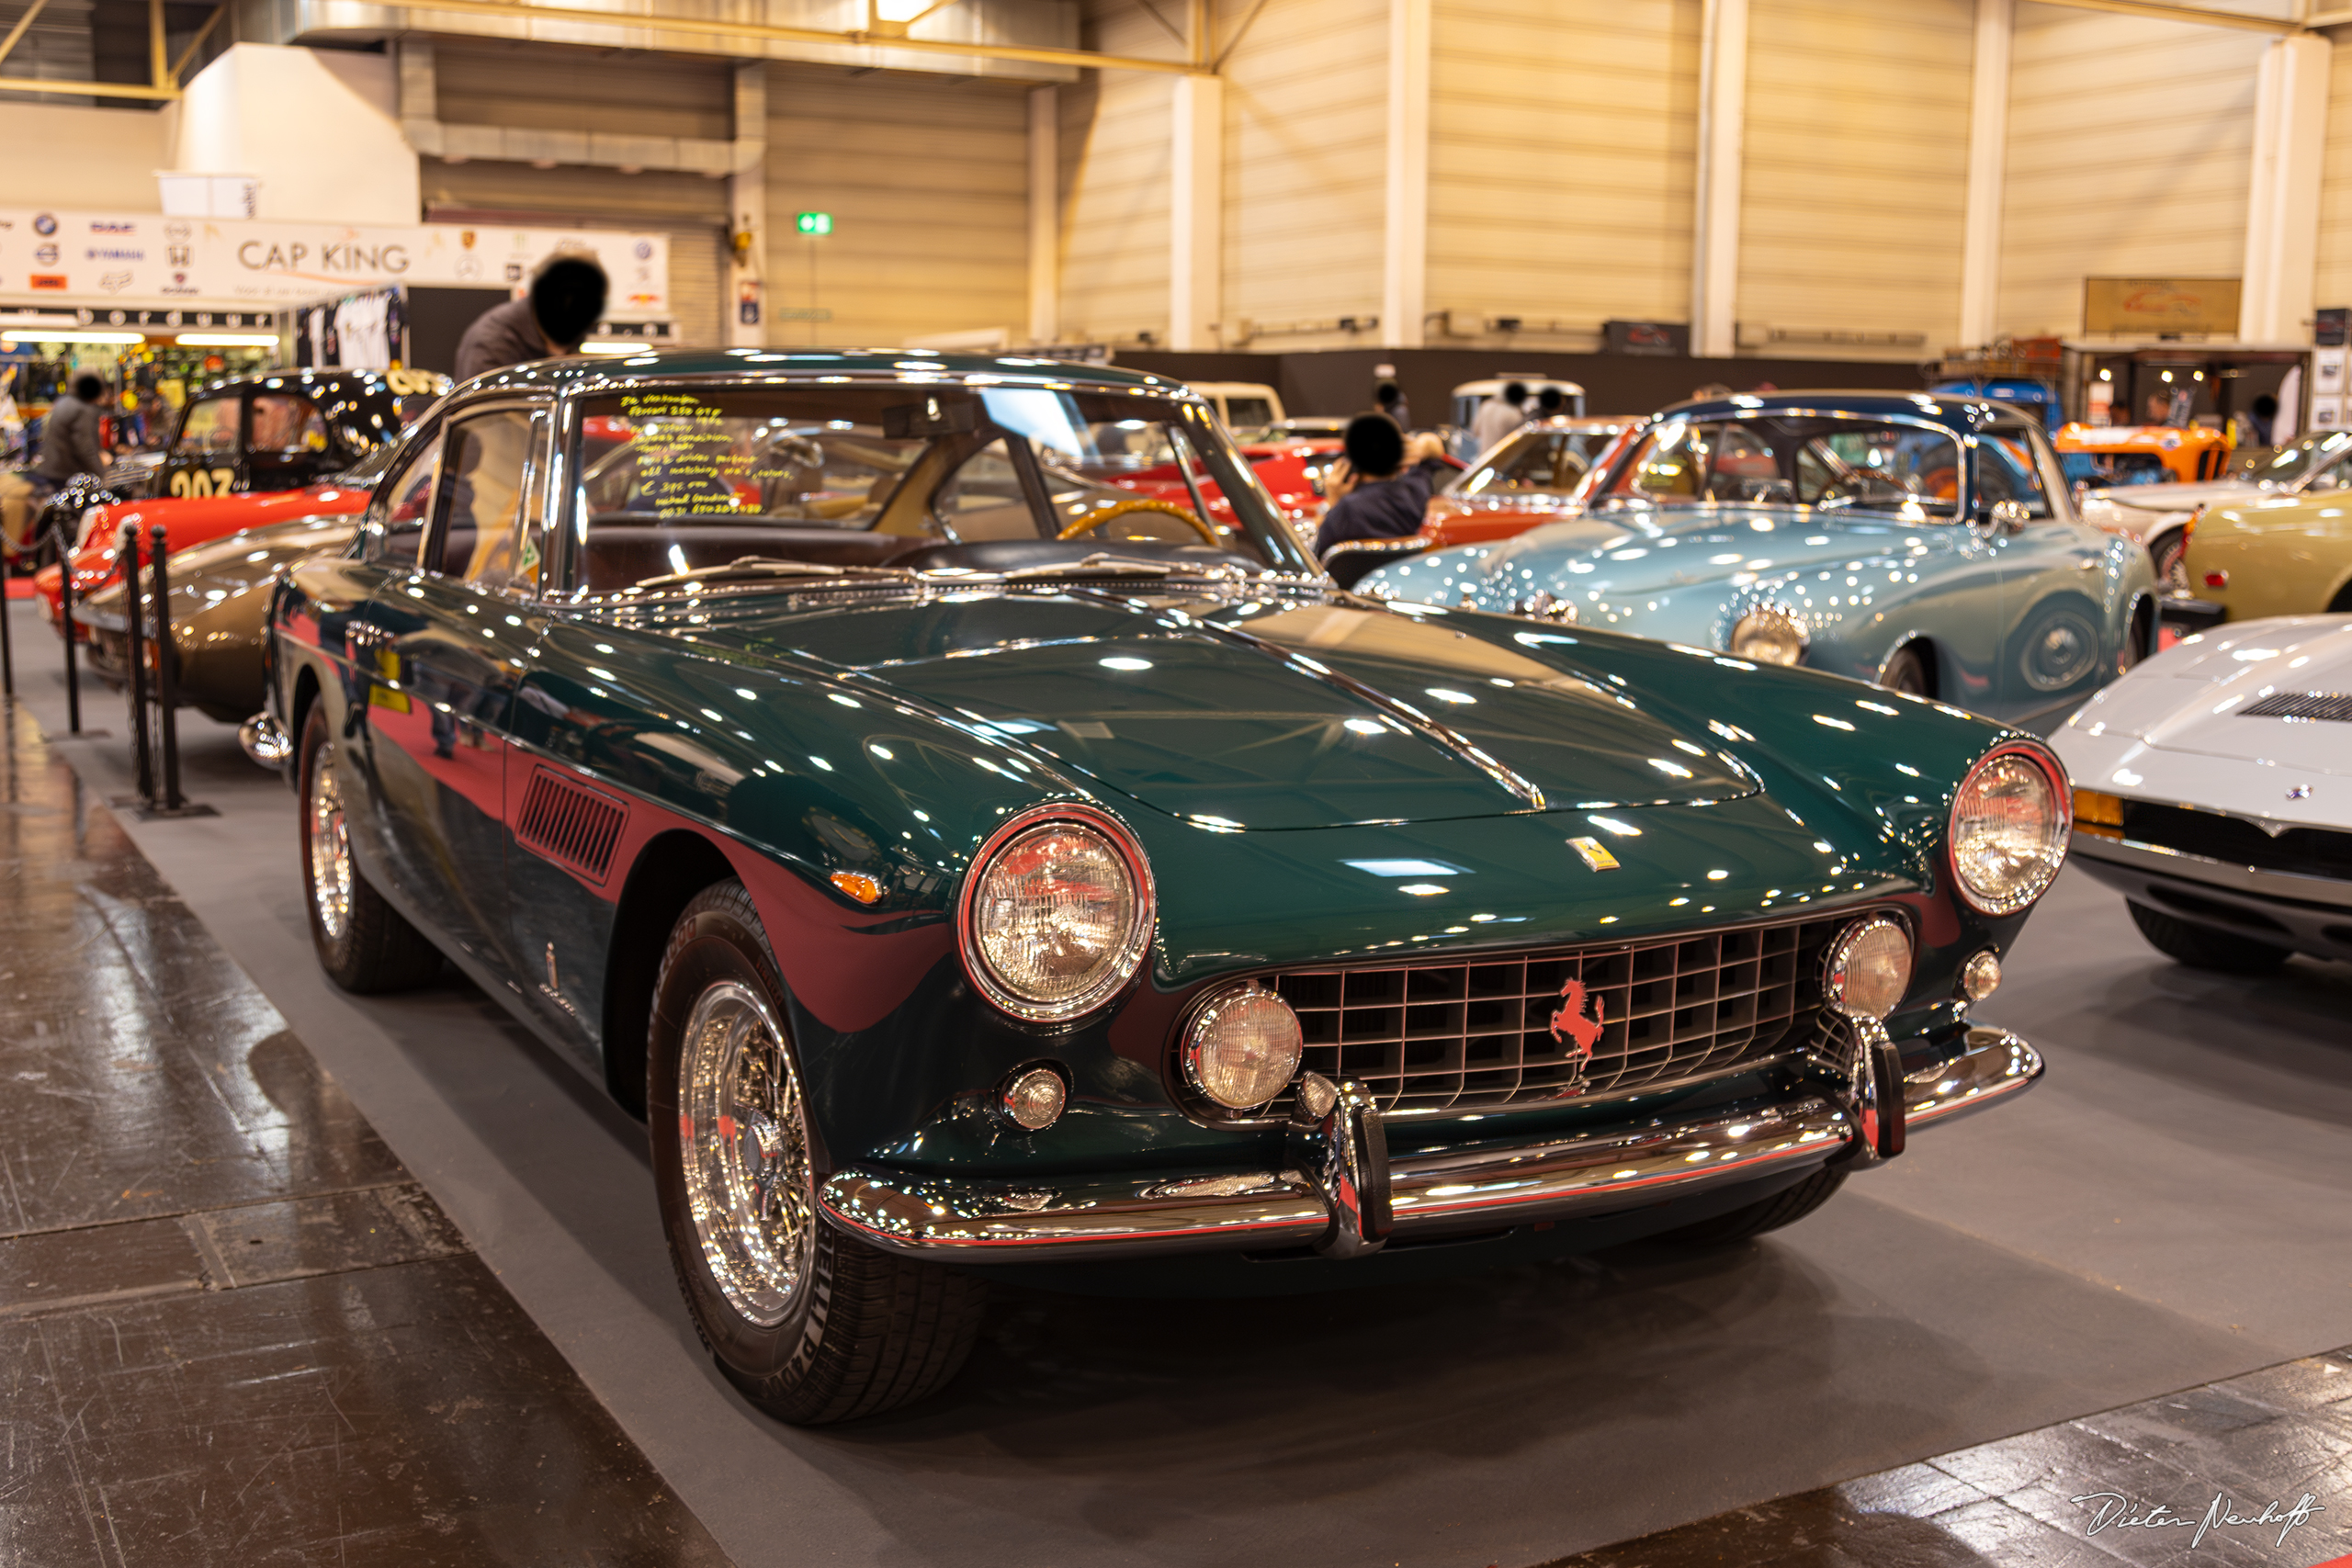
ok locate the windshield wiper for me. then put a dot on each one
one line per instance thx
(1104, 565)
(771, 566)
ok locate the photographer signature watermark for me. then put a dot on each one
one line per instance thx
(2113, 1510)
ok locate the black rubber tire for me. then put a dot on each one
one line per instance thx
(2205, 947)
(2166, 555)
(1785, 1207)
(378, 951)
(1907, 672)
(871, 1331)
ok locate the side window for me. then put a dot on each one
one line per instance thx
(487, 466)
(284, 426)
(1667, 467)
(2006, 471)
(983, 499)
(213, 429)
(396, 520)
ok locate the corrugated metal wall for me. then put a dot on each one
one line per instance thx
(2131, 151)
(480, 83)
(927, 180)
(2334, 273)
(1306, 149)
(1561, 150)
(1856, 172)
(1112, 143)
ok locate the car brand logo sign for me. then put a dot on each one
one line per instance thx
(1569, 1021)
(45, 224)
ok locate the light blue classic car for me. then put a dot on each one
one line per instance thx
(1925, 543)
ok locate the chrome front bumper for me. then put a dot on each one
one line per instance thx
(947, 1218)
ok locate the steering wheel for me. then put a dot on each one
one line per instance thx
(1141, 504)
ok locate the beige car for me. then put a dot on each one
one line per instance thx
(2285, 556)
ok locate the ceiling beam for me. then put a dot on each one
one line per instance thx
(521, 10)
(2197, 15)
(87, 89)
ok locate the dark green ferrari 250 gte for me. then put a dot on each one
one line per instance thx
(943, 798)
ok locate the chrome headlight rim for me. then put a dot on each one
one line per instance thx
(1839, 954)
(1774, 614)
(1197, 1019)
(2062, 806)
(1128, 958)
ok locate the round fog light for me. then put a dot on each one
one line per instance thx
(1869, 968)
(1034, 1098)
(1243, 1047)
(1981, 976)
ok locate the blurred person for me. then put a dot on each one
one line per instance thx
(1711, 390)
(70, 442)
(1498, 416)
(1549, 403)
(2262, 417)
(1388, 398)
(563, 304)
(1381, 489)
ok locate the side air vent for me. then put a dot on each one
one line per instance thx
(570, 825)
(2333, 706)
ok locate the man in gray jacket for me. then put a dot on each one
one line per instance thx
(69, 436)
(565, 302)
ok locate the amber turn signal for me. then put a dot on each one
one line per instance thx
(857, 885)
(2100, 816)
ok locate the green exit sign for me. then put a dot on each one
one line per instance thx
(815, 224)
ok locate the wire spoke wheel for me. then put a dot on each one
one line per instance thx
(328, 840)
(745, 1149)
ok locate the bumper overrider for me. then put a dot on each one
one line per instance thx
(1340, 1193)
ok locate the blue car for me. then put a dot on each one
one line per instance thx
(1925, 543)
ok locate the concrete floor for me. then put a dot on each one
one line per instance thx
(2164, 1210)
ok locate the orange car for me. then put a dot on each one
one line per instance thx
(2103, 457)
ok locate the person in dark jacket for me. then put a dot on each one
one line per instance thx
(1381, 487)
(565, 302)
(69, 436)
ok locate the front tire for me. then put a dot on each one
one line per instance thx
(811, 1325)
(365, 946)
(2203, 947)
(1785, 1207)
(1907, 672)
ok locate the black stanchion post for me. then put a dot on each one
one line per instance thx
(7, 646)
(65, 612)
(135, 655)
(166, 677)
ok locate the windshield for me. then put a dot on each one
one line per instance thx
(919, 476)
(2288, 466)
(1804, 460)
(1535, 462)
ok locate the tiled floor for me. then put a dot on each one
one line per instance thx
(2081, 1494)
(232, 1329)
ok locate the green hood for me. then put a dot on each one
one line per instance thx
(1262, 716)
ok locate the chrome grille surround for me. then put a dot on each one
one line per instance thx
(1445, 1036)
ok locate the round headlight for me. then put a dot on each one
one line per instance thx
(1769, 635)
(1243, 1047)
(1057, 912)
(1869, 968)
(2008, 831)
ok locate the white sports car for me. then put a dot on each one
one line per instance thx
(2214, 789)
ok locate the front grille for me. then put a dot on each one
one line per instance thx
(2333, 706)
(1467, 1035)
(2305, 852)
